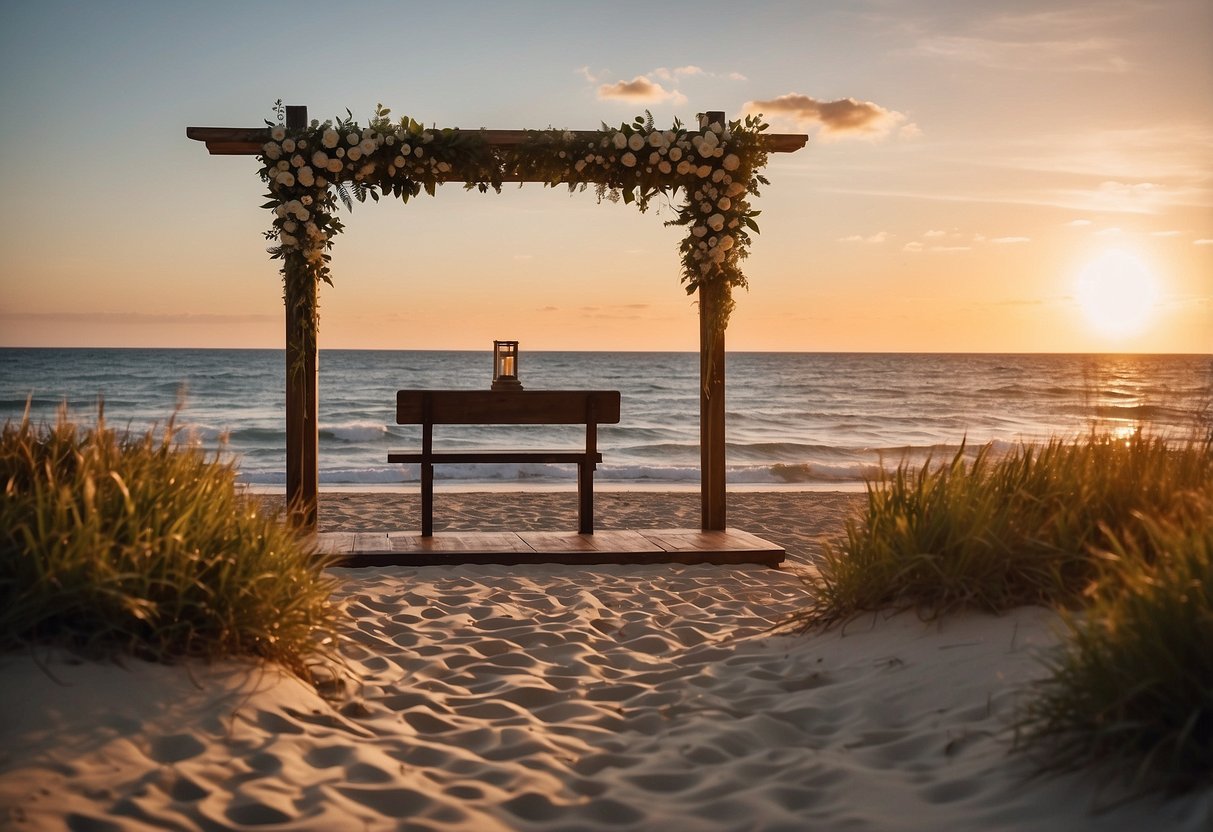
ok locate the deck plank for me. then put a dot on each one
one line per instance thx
(641, 546)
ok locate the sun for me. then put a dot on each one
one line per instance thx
(1118, 294)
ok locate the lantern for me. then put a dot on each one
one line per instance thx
(505, 366)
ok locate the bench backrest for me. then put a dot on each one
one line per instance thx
(491, 407)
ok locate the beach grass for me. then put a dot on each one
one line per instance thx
(114, 542)
(994, 531)
(1133, 686)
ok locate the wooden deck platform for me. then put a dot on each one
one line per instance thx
(731, 546)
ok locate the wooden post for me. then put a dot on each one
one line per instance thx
(302, 385)
(711, 396)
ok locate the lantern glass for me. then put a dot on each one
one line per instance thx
(505, 365)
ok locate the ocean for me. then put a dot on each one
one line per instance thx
(795, 420)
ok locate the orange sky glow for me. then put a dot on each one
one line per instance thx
(1009, 177)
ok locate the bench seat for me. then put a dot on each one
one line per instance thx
(455, 457)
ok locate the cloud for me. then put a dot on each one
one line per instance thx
(1010, 240)
(735, 76)
(875, 239)
(947, 249)
(1165, 233)
(639, 89)
(1079, 223)
(843, 118)
(1204, 241)
(1086, 55)
(913, 246)
(677, 72)
(935, 233)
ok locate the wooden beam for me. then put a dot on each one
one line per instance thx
(247, 141)
(711, 398)
(302, 394)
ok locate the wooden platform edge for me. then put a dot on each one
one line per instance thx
(641, 547)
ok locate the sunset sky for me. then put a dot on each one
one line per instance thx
(1030, 177)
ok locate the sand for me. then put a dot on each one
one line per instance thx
(566, 698)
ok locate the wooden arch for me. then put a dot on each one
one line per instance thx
(302, 388)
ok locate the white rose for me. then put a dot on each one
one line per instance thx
(699, 231)
(635, 141)
(726, 242)
(718, 175)
(398, 161)
(731, 162)
(334, 166)
(298, 161)
(289, 225)
(580, 166)
(733, 223)
(339, 153)
(278, 133)
(286, 179)
(629, 161)
(656, 139)
(684, 168)
(330, 138)
(367, 169)
(444, 167)
(305, 200)
(418, 152)
(352, 139)
(716, 222)
(620, 141)
(306, 177)
(320, 159)
(664, 167)
(289, 145)
(272, 151)
(405, 149)
(724, 203)
(654, 157)
(288, 241)
(675, 154)
(705, 207)
(303, 215)
(702, 171)
(367, 146)
(280, 211)
(718, 255)
(354, 154)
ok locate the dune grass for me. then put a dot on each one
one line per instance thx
(994, 532)
(1133, 685)
(112, 542)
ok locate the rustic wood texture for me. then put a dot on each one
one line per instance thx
(248, 141)
(302, 417)
(641, 546)
(506, 407)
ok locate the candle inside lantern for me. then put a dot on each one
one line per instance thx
(505, 366)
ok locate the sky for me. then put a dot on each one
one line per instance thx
(979, 177)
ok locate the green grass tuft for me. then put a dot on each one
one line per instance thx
(113, 542)
(1133, 686)
(995, 532)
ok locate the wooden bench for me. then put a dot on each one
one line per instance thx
(516, 407)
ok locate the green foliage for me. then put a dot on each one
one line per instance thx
(716, 169)
(992, 533)
(125, 543)
(1133, 687)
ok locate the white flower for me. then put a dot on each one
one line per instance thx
(321, 182)
(278, 133)
(716, 127)
(352, 138)
(389, 140)
(339, 153)
(664, 166)
(733, 223)
(283, 165)
(289, 145)
(444, 167)
(367, 169)
(675, 154)
(684, 168)
(320, 159)
(303, 215)
(288, 241)
(398, 161)
(731, 162)
(724, 203)
(354, 154)
(334, 166)
(305, 200)
(280, 211)
(718, 255)
(286, 179)
(306, 178)
(716, 222)
(718, 175)
(272, 151)
(620, 141)
(736, 189)
(705, 207)
(330, 138)
(657, 139)
(418, 152)
(629, 161)
(699, 231)
(367, 146)
(725, 242)
(635, 141)
(703, 171)
(580, 166)
(654, 157)
(298, 161)
(405, 149)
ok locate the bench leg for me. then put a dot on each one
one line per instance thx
(585, 498)
(427, 500)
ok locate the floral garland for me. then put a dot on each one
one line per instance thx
(716, 168)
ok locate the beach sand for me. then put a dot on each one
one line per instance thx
(567, 698)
